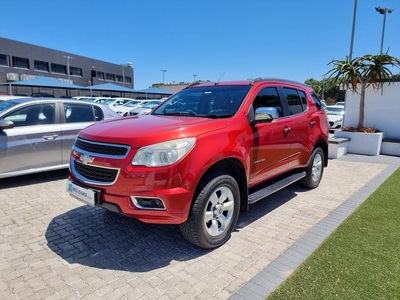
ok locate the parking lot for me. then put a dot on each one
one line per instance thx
(54, 247)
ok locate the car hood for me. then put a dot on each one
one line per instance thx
(334, 118)
(143, 130)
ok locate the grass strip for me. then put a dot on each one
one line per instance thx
(360, 260)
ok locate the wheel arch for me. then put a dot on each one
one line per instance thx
(321, 143)
(234, 168)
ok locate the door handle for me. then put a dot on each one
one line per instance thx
(287, 129)
(50, 136)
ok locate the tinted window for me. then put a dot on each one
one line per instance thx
(209, 101)
(41, 66)
(20, 62)
(3, 60)
(303, 99)
(75, 113)
(268, 97)
(316, 100)
(293, 100)
(98, 113)
(56, 68)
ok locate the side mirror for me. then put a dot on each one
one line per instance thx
(266, 114)
(6, 124)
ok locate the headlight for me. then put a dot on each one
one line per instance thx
(163, 154)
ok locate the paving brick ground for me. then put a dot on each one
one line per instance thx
(54, 247)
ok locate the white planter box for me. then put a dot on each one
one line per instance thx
(362, 143)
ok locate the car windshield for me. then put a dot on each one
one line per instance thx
(109, 101)
(334, 110)
(6, 105)
(205, 101)
(151, 104)
(132, 103)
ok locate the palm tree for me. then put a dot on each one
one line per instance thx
(362, 72)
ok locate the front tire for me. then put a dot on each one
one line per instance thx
(314, 170)
(214, 213)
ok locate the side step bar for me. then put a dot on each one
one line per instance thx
(260, 194)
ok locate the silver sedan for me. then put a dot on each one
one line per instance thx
(36, 134)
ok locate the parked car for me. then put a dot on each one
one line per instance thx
(97, 99)
(81, 98)
(36, 134)
(203, 155)
(335, 115)
(112, 102)
(123, 110)
(145, 108)
(11, 97)
(44, 95)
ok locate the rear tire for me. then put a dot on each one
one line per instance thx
(314, 170)
(214, 213)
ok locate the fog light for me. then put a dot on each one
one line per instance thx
(148, 203)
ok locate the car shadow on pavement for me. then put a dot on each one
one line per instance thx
(95, 237)
(30, 179)
(268, 204)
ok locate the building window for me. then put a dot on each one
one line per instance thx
(75, 71)
(4, 60)
(128, 80)
(41, 66)
(119, 78)
(20, 62)
(110, 77)
(61, 69)
(100, 75)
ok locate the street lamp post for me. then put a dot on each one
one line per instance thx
(194, 77)
(68, 58)
(353, 29)
(323, 89)
(163, 72)
(383, 11)
(128, 65)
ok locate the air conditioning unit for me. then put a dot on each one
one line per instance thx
(12, 76)
(27, 77)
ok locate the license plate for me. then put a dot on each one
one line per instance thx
(83, 194)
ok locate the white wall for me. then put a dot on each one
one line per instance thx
(382, 110)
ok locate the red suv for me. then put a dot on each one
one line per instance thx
(203, 155)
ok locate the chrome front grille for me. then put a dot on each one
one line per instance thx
(103, 149)
(95, 174)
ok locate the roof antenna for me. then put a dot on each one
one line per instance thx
(220, 77)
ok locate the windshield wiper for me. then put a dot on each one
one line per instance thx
(181, 113)
(214, 116)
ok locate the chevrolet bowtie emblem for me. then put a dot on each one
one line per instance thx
(86, 159)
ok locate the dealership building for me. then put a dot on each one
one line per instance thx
(22, 61)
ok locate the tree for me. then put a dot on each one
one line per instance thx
(362, 72)
(327, 89)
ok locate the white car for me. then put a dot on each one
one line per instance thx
(123, 110)
(335, 115)
(112, 102)
(145, 108)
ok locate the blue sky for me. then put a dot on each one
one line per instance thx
(235, 39)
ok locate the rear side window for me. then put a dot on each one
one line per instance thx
(316, 100)
(294, 101)
(98, 113)
(75, 113)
